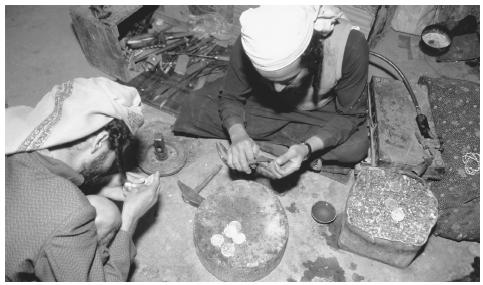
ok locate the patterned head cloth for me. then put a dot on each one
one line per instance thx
(275, 36)
(71, 111)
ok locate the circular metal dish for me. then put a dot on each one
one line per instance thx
(435, 40)
(323, 212)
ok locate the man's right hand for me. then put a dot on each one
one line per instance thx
(243, 150)
(138, 201)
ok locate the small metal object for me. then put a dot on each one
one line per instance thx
(217, 240)
(170, 46)
(390, 203)
(228, 249)
(160, 147)
(153, 62)
(239, 238)
(213, 57)
(142, 41)
(397, 214)
(323, 212)
(222, 152)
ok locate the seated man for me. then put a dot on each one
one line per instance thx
(53, 232)
(297, 77)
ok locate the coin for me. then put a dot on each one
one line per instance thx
(397, 214)
(239, 238)
(390, 203)
(217, 240)
(237, 225)
(228, 249)
(230, 230)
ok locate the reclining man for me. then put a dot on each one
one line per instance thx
(53, 232)
(297, 77)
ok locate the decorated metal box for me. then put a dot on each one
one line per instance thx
(388, 216)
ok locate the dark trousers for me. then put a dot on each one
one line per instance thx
(199, 117)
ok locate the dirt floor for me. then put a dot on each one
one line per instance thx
(41, 50)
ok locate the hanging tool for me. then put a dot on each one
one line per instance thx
(192, 196)
(421, 119)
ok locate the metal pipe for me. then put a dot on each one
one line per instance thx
(403, 78)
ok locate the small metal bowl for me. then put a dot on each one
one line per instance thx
(435, 40)
(323, 212)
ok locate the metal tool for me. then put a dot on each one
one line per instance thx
(192, 196)
(214, 57)
(153, 39)
(163, 49)
(160, 147)
(262, 157)
(144, 40)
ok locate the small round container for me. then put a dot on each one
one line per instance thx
(323, 212)
(435, 40)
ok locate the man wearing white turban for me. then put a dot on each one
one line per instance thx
(297, 77)
(53, 231)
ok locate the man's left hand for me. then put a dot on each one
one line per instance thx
(288, 162)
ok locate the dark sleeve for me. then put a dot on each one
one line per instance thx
(350, 92)
(235, 88)
(73, 254)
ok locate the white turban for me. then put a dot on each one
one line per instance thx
(71, 111)
(275, 36)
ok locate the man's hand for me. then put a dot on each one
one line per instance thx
(139, 199)
(288, 162)
(242, 151)
(117, 192)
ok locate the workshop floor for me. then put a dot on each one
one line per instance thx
(41, 50)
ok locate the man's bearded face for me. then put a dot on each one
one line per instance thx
(299, 86)
(292, 82)
(99, 166)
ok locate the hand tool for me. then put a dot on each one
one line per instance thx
(152, 39)
(158, 51)
(262, 157)
(214, 57)
(192, 196)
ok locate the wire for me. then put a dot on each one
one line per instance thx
(403, 77)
